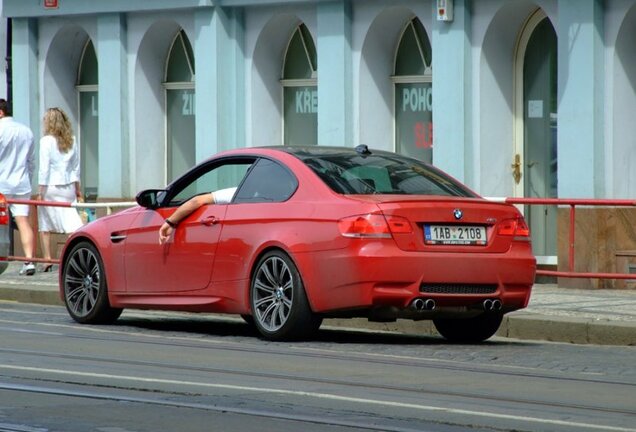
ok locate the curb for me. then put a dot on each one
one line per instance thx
(517, 325)
(526, 325)
(36, 296)
(521, 325)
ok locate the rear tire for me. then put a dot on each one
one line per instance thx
(85, 291)
(280, 308)
(470, 330)
(249, 319)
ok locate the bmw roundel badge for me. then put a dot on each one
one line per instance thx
(458, 214)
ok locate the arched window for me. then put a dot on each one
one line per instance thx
(88, 133)
(413, 93)
(300, 92)
(180, 108)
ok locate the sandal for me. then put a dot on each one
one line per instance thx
(48, 268)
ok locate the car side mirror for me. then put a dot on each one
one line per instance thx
(149, 198)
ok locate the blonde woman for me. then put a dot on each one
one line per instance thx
(59, 178)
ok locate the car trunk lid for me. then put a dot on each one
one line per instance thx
(449, 224)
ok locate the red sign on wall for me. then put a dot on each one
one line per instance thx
(50, 4)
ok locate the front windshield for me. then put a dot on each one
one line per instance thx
(381, 173)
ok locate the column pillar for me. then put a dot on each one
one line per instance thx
(581, 99)
(220, 78)
(24, 70)
(114, 163)
(335, 83)
(452, 87)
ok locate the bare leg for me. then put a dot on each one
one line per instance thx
(46, 244)
(26, 234)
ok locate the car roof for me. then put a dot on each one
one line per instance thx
(308, 151)
(323, 150)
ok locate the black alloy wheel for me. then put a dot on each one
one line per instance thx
(280, 308)
(85, 288)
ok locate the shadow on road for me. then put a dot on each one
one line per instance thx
(237, 328)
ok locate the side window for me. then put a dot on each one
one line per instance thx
(268, 181)
(210, 179)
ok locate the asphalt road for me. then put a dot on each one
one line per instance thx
(157, 371)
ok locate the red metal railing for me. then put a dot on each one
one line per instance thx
(36, 203)
(572, 203)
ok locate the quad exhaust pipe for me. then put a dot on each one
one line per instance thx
(420, 304)
(492, 305)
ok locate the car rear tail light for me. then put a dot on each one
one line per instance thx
(369, 225)
(514, 227)
(522, 228)
(4, 211)
(373, 226)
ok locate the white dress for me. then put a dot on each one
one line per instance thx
(58, 172)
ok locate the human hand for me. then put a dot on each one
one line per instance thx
(164, 233)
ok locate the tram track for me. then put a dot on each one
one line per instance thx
(297, 378)
(371, 358)
(97, 363)
(370, 422)
(272, 414)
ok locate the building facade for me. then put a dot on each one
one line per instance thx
(527, 98)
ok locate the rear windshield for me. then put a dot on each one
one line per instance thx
(382, 173)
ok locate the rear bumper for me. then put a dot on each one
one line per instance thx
(380, 275)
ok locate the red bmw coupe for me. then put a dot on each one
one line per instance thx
(311, 232)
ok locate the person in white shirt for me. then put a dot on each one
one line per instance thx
(221, 196)
(59, 178)
(17, 162)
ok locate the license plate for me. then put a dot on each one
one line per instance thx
(455, 235)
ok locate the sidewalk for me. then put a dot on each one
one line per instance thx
(604, 317)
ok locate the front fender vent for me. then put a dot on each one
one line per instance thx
(117, 237)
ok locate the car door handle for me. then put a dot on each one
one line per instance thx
(209, 220)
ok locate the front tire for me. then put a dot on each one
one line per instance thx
(470, 330)
(280, 308)
(85, 288)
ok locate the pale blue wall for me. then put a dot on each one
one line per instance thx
(220, 78)
(452, 85)
(22, 8)
(335, 82)
(234, 85)
(581, 99)
(25, 73)
(114, 167)
(207, 84)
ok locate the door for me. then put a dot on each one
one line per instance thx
(537, 157)
(185, 262)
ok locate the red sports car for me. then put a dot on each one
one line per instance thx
(311, 232)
